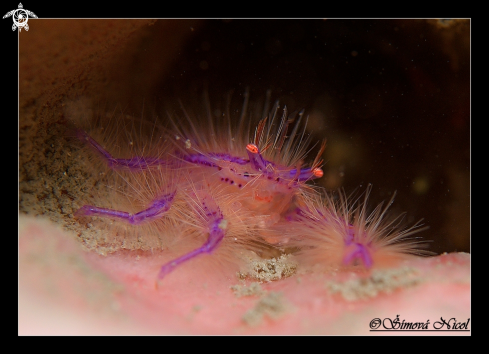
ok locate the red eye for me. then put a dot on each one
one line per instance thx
(252, 148)
(317, 172)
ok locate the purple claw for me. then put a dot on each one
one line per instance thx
(134, 163)
(155, 210)
(216, 234)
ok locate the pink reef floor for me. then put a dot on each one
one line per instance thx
(64, 290)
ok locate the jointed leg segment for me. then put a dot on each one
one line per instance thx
(134, 163)
(159, 207)
(216, 234)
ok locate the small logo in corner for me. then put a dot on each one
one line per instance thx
(20, 17)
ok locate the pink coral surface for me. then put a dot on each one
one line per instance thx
(64, 290)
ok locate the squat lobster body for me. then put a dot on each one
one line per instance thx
(235, 194)
(250, 185)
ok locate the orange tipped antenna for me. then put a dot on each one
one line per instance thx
(259, 131)
(318, 161)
